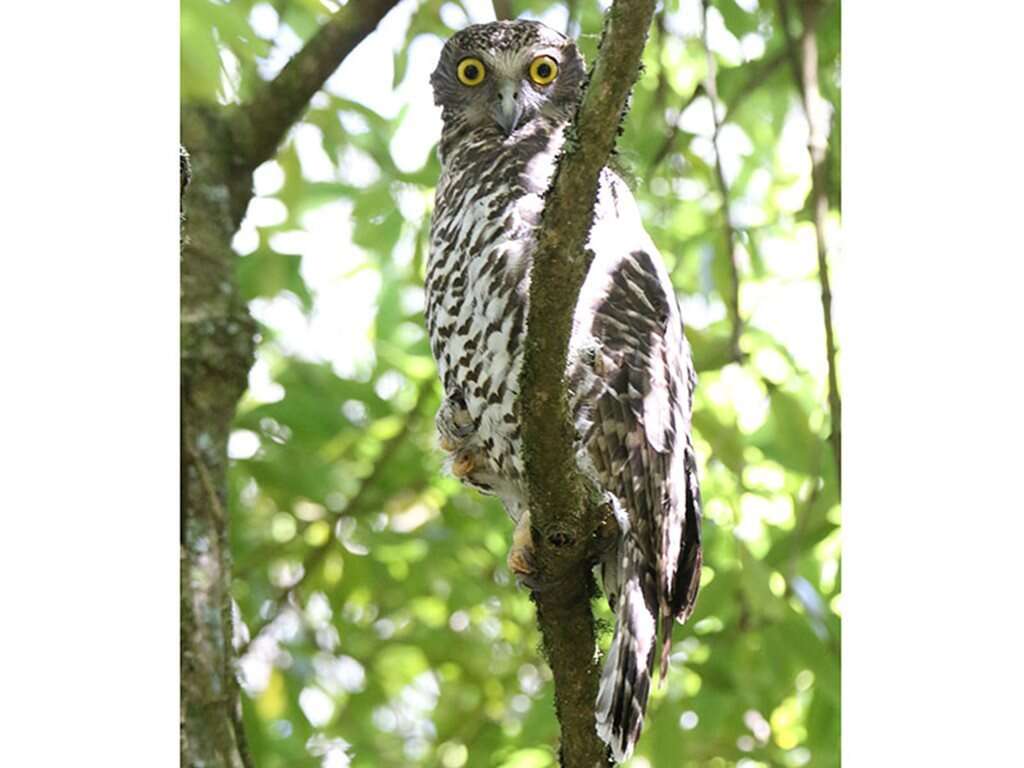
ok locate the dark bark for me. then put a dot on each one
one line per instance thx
(565, 525)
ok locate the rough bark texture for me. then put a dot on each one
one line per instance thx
(216, 353)
(224, 146)
(565, 524)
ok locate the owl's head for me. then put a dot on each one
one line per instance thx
(506, 74)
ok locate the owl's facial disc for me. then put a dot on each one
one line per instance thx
(502, 76)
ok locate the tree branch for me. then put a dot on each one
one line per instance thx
(805, 62)
(260, 125)
(564, 523)
(503, 10)
(216, 352)
(733, 300)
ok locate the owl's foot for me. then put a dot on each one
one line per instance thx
(520, 556)
(454, 423)
(463, 465)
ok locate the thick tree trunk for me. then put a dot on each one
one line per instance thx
(216, 353)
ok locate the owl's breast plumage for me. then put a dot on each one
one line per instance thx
(487, 207)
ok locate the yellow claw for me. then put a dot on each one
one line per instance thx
(447, 444)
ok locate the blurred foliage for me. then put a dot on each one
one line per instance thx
(377, 617)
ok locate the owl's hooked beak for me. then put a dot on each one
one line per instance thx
(509, 108)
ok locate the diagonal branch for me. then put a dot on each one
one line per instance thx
(564, 523)
(260, 125)
(674, 131)
(805, 64)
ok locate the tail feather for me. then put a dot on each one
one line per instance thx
(666, 648)
(626, 677)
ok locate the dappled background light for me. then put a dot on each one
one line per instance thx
(376, 620)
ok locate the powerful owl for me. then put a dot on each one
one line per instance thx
(508, 91)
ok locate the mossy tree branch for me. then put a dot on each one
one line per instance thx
(564, 523)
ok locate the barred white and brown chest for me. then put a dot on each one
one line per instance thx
(487, 206)
(629, 370)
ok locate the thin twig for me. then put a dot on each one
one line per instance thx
(674, 131)
(761, 73)
(733, 299)
(806, 75)
(237, 726)
(792, 52)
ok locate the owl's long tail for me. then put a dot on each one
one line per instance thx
(626, 677)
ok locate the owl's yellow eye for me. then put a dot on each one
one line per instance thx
(543, 70)
(470, 71)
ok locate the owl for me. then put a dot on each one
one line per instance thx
(508, 91)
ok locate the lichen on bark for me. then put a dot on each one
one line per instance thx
(216, 353)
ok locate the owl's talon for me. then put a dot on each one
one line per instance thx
(520, 555)
(454, 423)
(463, 466)
(524, 568)
(520, 562)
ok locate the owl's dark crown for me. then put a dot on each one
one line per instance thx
(506, 36)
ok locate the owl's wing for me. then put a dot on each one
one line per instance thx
(639, 442)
